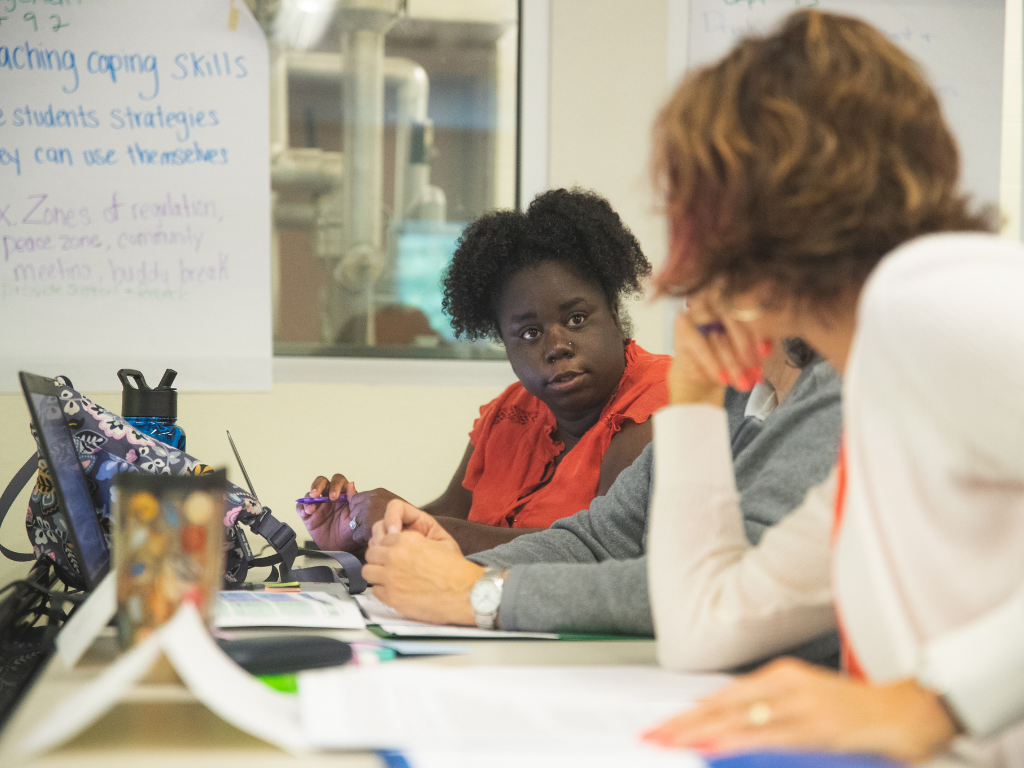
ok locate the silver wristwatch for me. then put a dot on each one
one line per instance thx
(485, 597)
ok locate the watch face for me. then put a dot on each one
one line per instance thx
(485, 597)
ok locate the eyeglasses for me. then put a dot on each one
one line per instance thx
(742, 314)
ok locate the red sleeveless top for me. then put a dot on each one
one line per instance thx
(511, 473)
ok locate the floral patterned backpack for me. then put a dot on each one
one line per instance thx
(107, 445)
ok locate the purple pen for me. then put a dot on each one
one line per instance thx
(317, 499)
(706, 329)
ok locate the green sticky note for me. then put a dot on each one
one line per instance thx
(282, 683)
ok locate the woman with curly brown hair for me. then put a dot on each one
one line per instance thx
(548, 283)
(812, 190)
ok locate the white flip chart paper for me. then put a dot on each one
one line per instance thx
(958, 43)
(134, 193)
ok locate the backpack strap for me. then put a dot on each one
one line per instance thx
(20, 479)
(350, 564)
(282, 538)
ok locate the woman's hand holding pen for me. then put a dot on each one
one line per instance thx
(329, 522)
(712, 350)
(342, 518)
(367, 509)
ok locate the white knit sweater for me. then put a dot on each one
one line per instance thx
(928, 568)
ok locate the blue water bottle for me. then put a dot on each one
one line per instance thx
(153, 411)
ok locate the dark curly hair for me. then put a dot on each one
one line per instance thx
(801, 158)
(573, 227)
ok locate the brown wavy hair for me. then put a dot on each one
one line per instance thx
(801, 159)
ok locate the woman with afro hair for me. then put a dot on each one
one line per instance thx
(548, 283)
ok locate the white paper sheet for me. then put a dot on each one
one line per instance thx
(87, 621)
(136, 214)
(577, 757)
(90, 703)
(409, 648)
(225, 688)
(414, 705)
(220, 684)
(395, 624)
(316, 610)
(419, 629)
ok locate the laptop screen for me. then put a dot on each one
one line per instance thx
(59, 450)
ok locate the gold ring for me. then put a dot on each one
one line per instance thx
(744, 315)
(759, 714)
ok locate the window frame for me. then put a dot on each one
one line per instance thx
(531, 178)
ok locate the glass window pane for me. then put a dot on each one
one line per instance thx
(393, 125)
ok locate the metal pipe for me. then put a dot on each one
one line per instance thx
(362, 182)
(315, 170)
(275, 270)
(411, 99)
(412, 96)
(278, 66)
(364, 24)
(294, 214)
(278, 99)
(363, 126)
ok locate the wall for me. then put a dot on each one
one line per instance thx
(608, 78)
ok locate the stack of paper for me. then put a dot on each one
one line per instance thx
(498, 716)
(224, 687)
(396, 625)
(423, 707)
(551, 757)
(317, 610)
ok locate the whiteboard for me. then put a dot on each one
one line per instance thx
(958, 43)
(134, 192)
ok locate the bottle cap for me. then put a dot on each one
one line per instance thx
(142, 401)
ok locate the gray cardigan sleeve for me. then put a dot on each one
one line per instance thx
(795, 451)
(588, 572)
(595, 598)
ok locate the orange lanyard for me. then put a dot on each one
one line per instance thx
(848, 659)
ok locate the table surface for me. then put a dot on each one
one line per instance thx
(161, 724)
